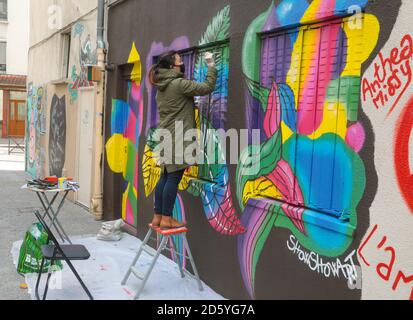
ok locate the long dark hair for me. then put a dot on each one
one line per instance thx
(165, 61)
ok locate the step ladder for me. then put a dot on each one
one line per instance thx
(155, 254)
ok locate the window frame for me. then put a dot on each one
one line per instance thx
(193, 52)
(4, 16)
(4, 70)
(319, 24)
(66, 46)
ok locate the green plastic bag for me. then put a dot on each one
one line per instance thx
(30, 257)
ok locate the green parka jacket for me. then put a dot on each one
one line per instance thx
(175, 100)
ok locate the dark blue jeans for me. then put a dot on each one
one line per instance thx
(166, 192)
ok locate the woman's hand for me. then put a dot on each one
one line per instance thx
(209, 58)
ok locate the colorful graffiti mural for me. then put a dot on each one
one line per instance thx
(36, 114)
(123, 146)
(157, 48)
(87, 56)
(303, 89)
(327, 84)
(215, 191)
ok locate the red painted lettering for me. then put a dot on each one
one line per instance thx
(401, 276)
(392, 76)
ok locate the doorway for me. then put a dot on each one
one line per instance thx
(17, 118)
(85, 144)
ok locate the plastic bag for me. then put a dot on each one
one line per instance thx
(30, 257)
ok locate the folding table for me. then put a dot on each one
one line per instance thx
(51, 210)
(18, 143)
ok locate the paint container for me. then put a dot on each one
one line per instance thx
(62, 183)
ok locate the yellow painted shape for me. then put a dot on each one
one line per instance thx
(117, 153)
(286, 132)
(190, 175)
(293, 76)
(334, 121)
(361, 42)
(124, 201)
(125, 198)
(260, 189)
(311, 12)
(150, 170)
(135, 58)
(302, 57)
(152, 173)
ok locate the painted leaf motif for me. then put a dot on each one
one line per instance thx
(284, 179)
(272, 119)
(259, 219)
(218, 29)
(289, 112)
(263, 157)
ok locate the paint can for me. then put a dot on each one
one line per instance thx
(62, 183)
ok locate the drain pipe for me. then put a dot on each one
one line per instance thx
(101, 25)
(97, 198)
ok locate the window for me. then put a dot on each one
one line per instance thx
(213, 108)
(3, 9)
(3, 57)
(18, 95)
(66, 44)
(315, 66)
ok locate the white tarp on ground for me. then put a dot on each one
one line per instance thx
(104, 271)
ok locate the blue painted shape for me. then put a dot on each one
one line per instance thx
(290, 12)
(342, 6)
(289, 113)
(324, 170)
(120, 114)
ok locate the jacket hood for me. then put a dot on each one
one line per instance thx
(165, 77)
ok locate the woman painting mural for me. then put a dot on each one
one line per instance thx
(175, 100)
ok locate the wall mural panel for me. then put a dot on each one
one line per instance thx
(36, 120)
(386, 255)
(48, 152)
(308, 115)
(123, 146)
(215, 195)
(84, 56)
(328, 85)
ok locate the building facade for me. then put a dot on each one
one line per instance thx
(329, 213)
(14, 42)
(62, 101)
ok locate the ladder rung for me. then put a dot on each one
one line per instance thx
(149, 250)
(190, 275)
(177, 253)
(138, 273)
